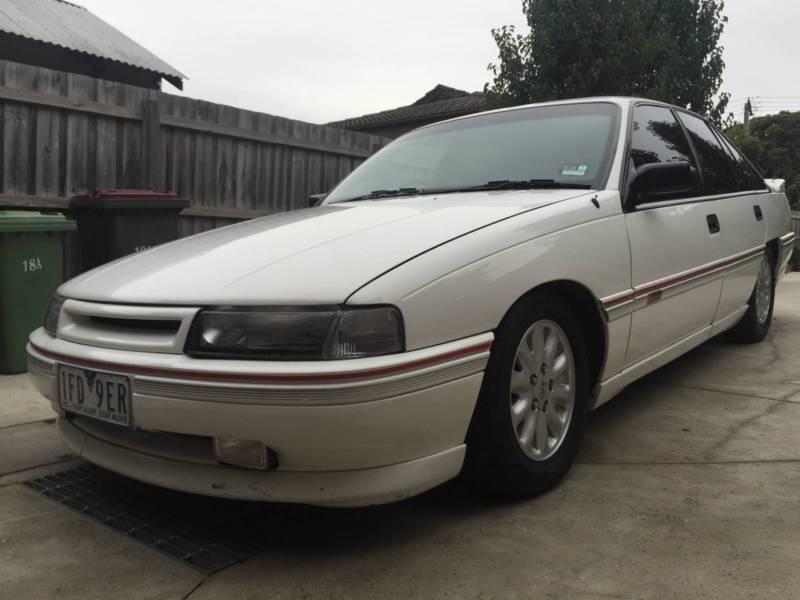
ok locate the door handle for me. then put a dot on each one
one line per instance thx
(713, 223)
(758, 213)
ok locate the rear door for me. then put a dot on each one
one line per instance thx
(739, 283)
(740, 193)
(674, 242)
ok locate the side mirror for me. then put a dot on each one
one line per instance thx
(776, 186)
(316, 199)
(657, 182)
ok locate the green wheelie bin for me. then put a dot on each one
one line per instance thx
(31, 268)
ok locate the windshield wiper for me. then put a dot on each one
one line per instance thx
(409, 191)
(527, 184)
(500, 184)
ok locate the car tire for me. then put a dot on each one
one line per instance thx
(503, 448)
(754, 325)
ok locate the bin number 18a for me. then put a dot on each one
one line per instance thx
(29, 265)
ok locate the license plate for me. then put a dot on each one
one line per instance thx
(103, 396)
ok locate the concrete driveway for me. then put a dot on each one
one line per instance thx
(688, 486)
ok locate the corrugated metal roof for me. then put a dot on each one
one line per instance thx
(75, 28)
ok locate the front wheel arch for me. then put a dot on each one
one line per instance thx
(495, 459)
(583, 304)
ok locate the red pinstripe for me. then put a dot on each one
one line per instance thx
(276, 378)
(658, 287)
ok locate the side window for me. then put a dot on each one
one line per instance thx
(717, 171)
(657, 137)
(746, 175)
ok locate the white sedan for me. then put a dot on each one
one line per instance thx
(457, 304)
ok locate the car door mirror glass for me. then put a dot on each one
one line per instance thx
(658, 182)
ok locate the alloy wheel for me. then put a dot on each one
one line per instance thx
(542, 390)
(763, 291)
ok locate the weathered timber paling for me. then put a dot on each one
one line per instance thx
(66, 134)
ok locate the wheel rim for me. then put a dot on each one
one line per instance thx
(763, 291)
(542, 390)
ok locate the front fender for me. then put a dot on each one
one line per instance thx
(466, 286)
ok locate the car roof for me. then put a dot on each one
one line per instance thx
(622, 101)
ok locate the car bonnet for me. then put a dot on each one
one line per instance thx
(312, 256)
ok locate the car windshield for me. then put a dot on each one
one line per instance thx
(566, 145)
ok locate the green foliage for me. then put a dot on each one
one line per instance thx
(774, 147)
(661, 49)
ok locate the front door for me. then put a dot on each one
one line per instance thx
(675, 243)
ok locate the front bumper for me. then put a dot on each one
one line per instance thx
(351, 432)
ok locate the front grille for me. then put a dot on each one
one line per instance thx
(142, 325)
(126, 327)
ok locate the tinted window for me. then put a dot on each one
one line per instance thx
(746, 175)
(569, 144)
(717, 172)
(657, 137)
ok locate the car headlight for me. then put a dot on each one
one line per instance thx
(52, 315)
(296, 333)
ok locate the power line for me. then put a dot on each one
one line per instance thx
(765, 103)
(737, 98)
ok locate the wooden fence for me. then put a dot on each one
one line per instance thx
(65, 134)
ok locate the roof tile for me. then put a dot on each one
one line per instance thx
(458, 103)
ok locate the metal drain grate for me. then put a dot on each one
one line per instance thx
(209, 534)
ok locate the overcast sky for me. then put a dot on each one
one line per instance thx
(323, 60)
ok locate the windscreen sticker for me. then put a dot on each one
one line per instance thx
(575, 170)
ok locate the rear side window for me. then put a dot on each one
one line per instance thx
(746, 175)
(657, 137)
(717, 170)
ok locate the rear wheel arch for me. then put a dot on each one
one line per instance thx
(753, 326)
(773, 250)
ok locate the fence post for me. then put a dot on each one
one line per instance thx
(152, 154)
